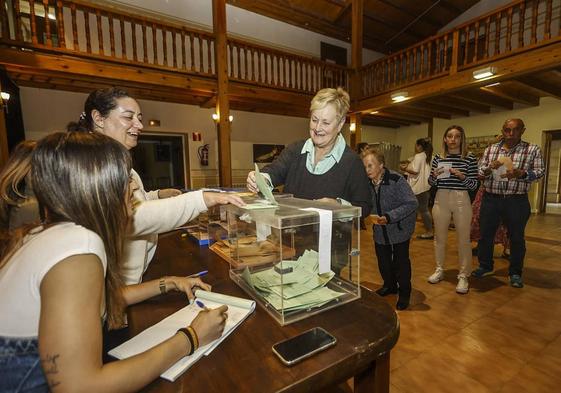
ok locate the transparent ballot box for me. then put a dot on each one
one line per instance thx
(296, 258)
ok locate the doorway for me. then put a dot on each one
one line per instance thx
(550, 193)
(162, 160)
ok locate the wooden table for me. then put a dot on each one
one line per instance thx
(366, 331)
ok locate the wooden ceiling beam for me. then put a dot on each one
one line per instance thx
(396, 119)
(438, 108)
(517, 96)
(367, 120)
(423, 114)
(461, 103)
(481, 96)
(535, 83)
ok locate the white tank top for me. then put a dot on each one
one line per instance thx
(20, 278)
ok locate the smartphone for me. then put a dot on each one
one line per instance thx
(304, 345)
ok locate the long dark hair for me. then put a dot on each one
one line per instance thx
(426, 146)
(83, 178)
(102, 100)
(12, 179)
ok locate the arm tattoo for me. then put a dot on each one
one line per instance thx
(50, 368)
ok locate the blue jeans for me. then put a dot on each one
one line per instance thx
(514, 211)
(20, 366)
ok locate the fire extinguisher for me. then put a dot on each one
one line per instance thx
(202, 152)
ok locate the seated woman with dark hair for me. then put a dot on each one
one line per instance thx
(60, 280)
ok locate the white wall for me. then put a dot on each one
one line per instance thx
(246, 25)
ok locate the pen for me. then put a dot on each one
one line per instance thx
(200, 304)
(199, 274)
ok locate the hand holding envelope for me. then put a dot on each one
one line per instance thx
(375, 219)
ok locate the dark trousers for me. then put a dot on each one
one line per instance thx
(514, 211)
(395, 266)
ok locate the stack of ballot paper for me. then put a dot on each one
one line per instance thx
(301, 288)
(238, 310)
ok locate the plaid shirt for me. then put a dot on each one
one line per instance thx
(524, 156)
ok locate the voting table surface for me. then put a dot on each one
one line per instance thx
(366, 331)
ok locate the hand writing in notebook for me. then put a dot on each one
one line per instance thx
(209, 324)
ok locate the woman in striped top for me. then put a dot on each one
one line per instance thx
(453, 174)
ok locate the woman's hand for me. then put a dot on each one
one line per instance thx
(168, 193)
(186, 285)
(459, 174)
(436, 172)
(209, 324)
(222, 198)
(251, 183)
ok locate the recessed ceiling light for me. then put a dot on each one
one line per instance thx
(399, 96)
(373, 112)
(493, 84)
(483, 73)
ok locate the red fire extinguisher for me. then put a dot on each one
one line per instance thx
(202, 152)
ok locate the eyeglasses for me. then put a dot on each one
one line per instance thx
(514, 129)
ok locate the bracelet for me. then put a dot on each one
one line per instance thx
(195, 337)
(187, 333)
(163, 288)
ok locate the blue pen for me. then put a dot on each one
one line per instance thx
(199, 274)
(200, 304)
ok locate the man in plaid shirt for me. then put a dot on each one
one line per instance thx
(509, 168)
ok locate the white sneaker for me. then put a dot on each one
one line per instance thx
(437, 276)
(463, 285)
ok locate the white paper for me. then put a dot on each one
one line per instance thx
(238, 310)
(498, 172)
(263, 231)
(445, 166)
(325, 227)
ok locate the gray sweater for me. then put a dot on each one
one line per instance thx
(395, 200)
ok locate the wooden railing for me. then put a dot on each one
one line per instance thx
(518, 27)
(78, 28)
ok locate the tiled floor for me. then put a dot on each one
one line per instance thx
(495, 338)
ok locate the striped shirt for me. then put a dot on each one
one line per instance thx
(524, 156)
(466, 165)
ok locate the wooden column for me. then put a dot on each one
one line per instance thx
(356, 64)
(4, 153)
(356, 135)
(222, 101)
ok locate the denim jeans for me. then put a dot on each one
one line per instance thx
(20, 366)
(514, 211)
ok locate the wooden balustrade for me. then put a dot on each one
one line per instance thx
(520, 26)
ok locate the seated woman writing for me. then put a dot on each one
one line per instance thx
(59, 281)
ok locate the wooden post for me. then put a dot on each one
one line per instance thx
(356, 64)
(3, 134)
(222, 101)
(455, 52)
(356, 135)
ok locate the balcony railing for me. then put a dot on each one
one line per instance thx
(518, 27)
(78, 28)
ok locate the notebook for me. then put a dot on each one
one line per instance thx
(238, 310)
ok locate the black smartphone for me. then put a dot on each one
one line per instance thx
(304, 345)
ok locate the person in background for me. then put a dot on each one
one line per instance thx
(393, 208)
(18, 205)
(418, 172)
(323, 167)
(509, 168)
(53, 307)
(453, 174)
(114, 113)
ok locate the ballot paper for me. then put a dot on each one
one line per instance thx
(264, 187)
(238, 310)
(445, 166)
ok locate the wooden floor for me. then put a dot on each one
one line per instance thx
(495, 338)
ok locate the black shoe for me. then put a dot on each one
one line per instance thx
(402, 303)
(385, 291)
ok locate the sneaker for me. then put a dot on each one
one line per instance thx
(426, 236)
(482, 272)
(463, 285)
(437, 276)
(516, 281)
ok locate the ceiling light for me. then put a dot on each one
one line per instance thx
(493, 84)
(484, 72)
(352, 127)
(154, 123)
(215, 117)
(5, 96)
(399, 96)
(231, 118)
(373, 112)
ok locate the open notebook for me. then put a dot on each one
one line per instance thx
(238, 310)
